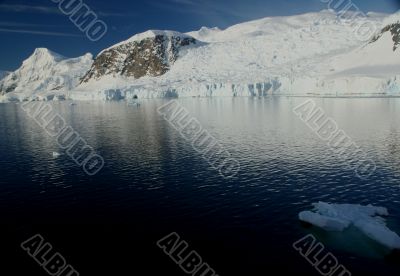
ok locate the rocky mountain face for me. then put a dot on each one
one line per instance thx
(45, 70)
(148, 54)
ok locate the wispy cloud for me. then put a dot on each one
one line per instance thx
(19, 24)
(212, 11)
(29, 9)
(23, 31)
(183, 6)
(186, 2)
(207, 7)
(53, 10)
(114, 14)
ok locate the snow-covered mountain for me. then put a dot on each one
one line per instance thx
(310, 54)
(45, 71)
(280, 55)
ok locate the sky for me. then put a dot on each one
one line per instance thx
(26, 25)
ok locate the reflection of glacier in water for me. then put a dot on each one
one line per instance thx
(153, 177)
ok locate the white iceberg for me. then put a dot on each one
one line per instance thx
(338, 217)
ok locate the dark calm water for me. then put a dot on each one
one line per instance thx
(154, 183)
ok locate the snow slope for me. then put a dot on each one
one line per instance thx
(379, 58)
(206, 34)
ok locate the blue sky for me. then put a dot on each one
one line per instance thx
(26, 25)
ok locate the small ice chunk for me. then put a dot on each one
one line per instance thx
(325, 222)
(338, 217)
(56, 154)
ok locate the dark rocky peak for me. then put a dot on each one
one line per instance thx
(148, 54)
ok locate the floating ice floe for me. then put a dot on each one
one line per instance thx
(338, 217)
(56, 154)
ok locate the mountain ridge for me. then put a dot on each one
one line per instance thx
(308, 54)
